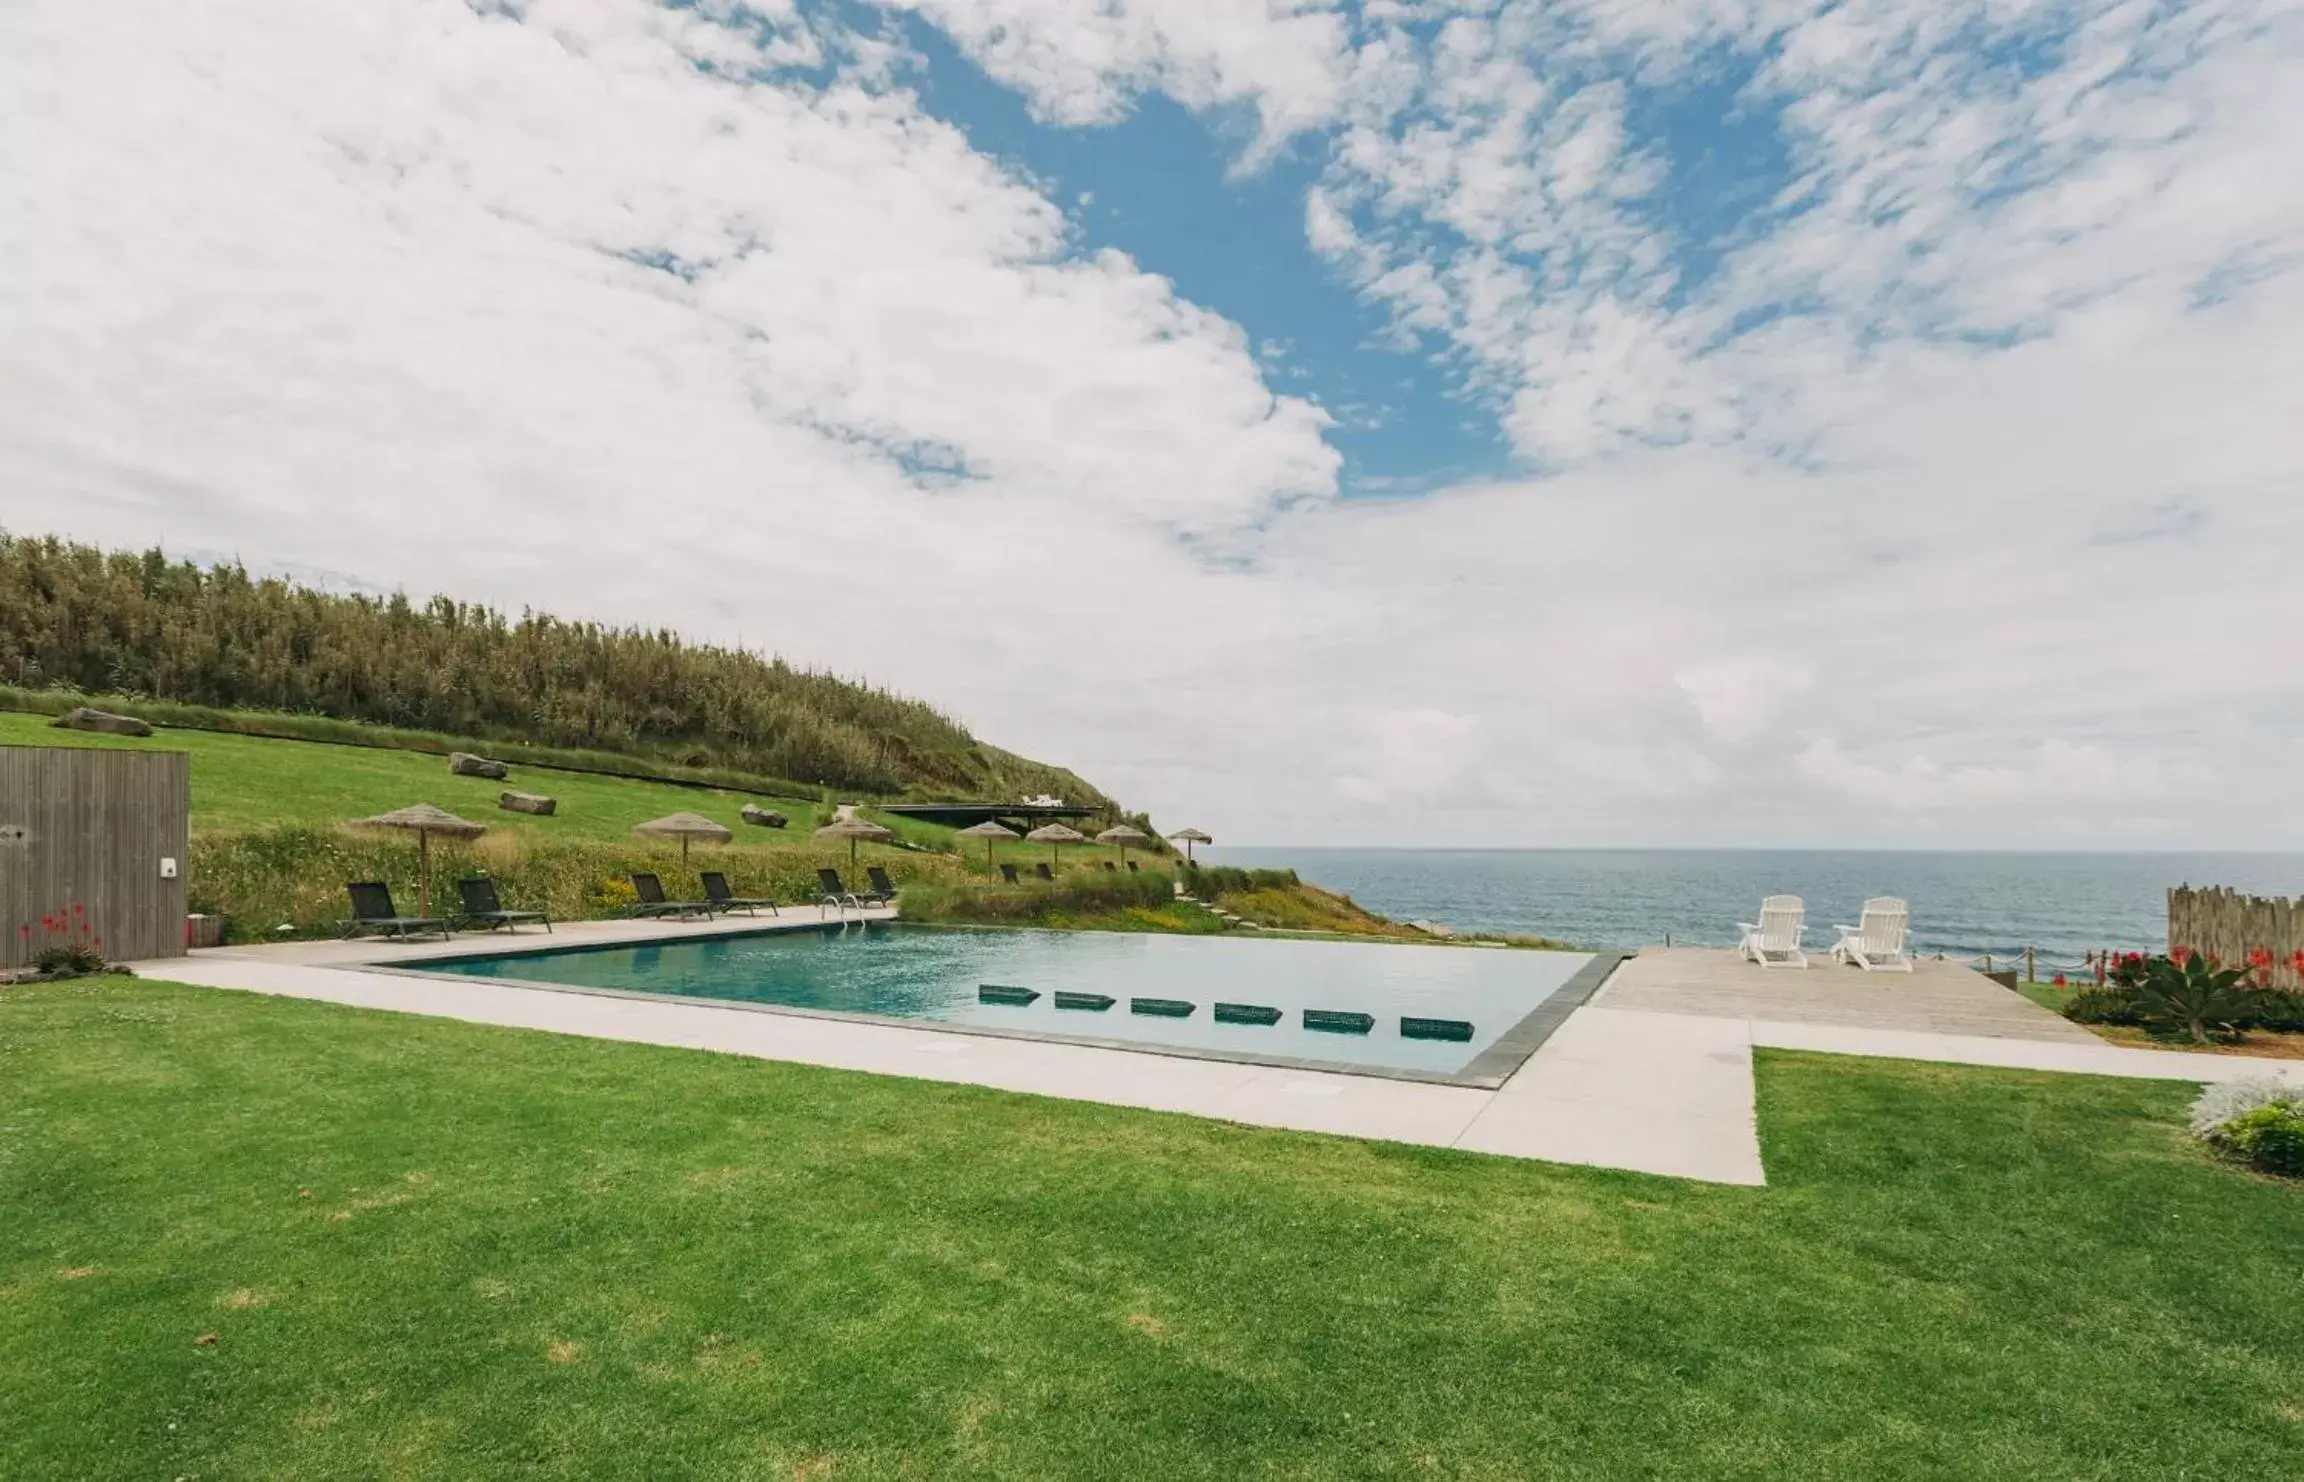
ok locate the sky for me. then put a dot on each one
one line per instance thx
(1425, 422)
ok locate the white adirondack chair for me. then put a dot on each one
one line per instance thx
(1878, 944)
(1774, 940)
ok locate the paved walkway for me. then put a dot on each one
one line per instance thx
(1640, 1079)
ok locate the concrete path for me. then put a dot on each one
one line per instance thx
(1636, 1080)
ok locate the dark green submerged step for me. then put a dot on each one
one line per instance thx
(1246, 1013)
(1455, 1029)
(1002, 993)
(1165, 1008)
(1338, 1021)
(1096, 1002)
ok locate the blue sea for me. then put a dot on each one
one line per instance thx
(1963, 905)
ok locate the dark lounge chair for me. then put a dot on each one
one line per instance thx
(482, 908)
(833, 892)
(882, 886)
(1008, 873)
(372, 910)
(723, 900)
(1131, 867)
(1113, 868)
(1043, 872)
(652, 901)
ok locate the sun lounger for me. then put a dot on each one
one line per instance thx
(1008, 873)
(883, 888)
(483, 908)
(653, 903)
(1131, 867)
(1109, 865)
(1774, 940)
(834, 892)
(372, 910)
(1877, 945)
(1043, 872)
(724, 900)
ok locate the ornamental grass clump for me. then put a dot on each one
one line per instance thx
(2259, 1122)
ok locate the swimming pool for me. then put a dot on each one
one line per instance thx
(1141, 991)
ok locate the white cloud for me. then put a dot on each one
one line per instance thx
(2058, 771)
(1737, 698)
(1960, 172)
(1988, 547)
(1086, 61)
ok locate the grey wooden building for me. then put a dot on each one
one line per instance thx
(93, 848)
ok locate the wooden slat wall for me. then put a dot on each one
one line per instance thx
(89, 828)
(2220, 922)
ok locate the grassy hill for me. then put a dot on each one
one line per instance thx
(78, 620)
(271, 848)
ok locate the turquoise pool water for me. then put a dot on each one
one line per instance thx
(930, 973)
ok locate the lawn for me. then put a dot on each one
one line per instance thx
(246, 784)
(243, 1237)
(242, 783)
(268, 849)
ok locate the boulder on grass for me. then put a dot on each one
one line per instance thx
(465, 764)
(85, 719)
(527, 802)
(765, 817)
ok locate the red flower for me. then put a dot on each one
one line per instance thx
(2297, 962)
(2260, 958)
(2059, 980)
(2179, 955)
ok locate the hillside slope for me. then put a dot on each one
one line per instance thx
(75, 617)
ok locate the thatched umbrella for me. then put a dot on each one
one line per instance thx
(852, 828)
(426, 821)
(684, 827)
(1189, 837)
(1123, 835)
(988, 830)
(1055, 836)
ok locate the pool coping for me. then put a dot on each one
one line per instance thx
(1487, 1071)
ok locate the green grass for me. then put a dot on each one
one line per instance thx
(252, 782)
(248, 783)
(435, 1250)
(288, 726)
(268, 851)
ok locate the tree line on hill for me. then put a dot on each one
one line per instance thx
(75, 617)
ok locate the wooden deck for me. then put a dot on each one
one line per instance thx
(1936, 997)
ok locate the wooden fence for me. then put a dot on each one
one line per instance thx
(93, 848)
(2224, 924)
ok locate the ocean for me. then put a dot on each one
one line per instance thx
(1963, 905)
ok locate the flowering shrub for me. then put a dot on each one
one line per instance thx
(2186, 995)
(66, 945)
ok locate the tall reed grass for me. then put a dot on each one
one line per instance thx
(264, 880)
(1080, 896)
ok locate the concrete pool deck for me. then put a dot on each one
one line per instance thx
(1653, 1075)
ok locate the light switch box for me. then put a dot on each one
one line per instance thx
(167, 869)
